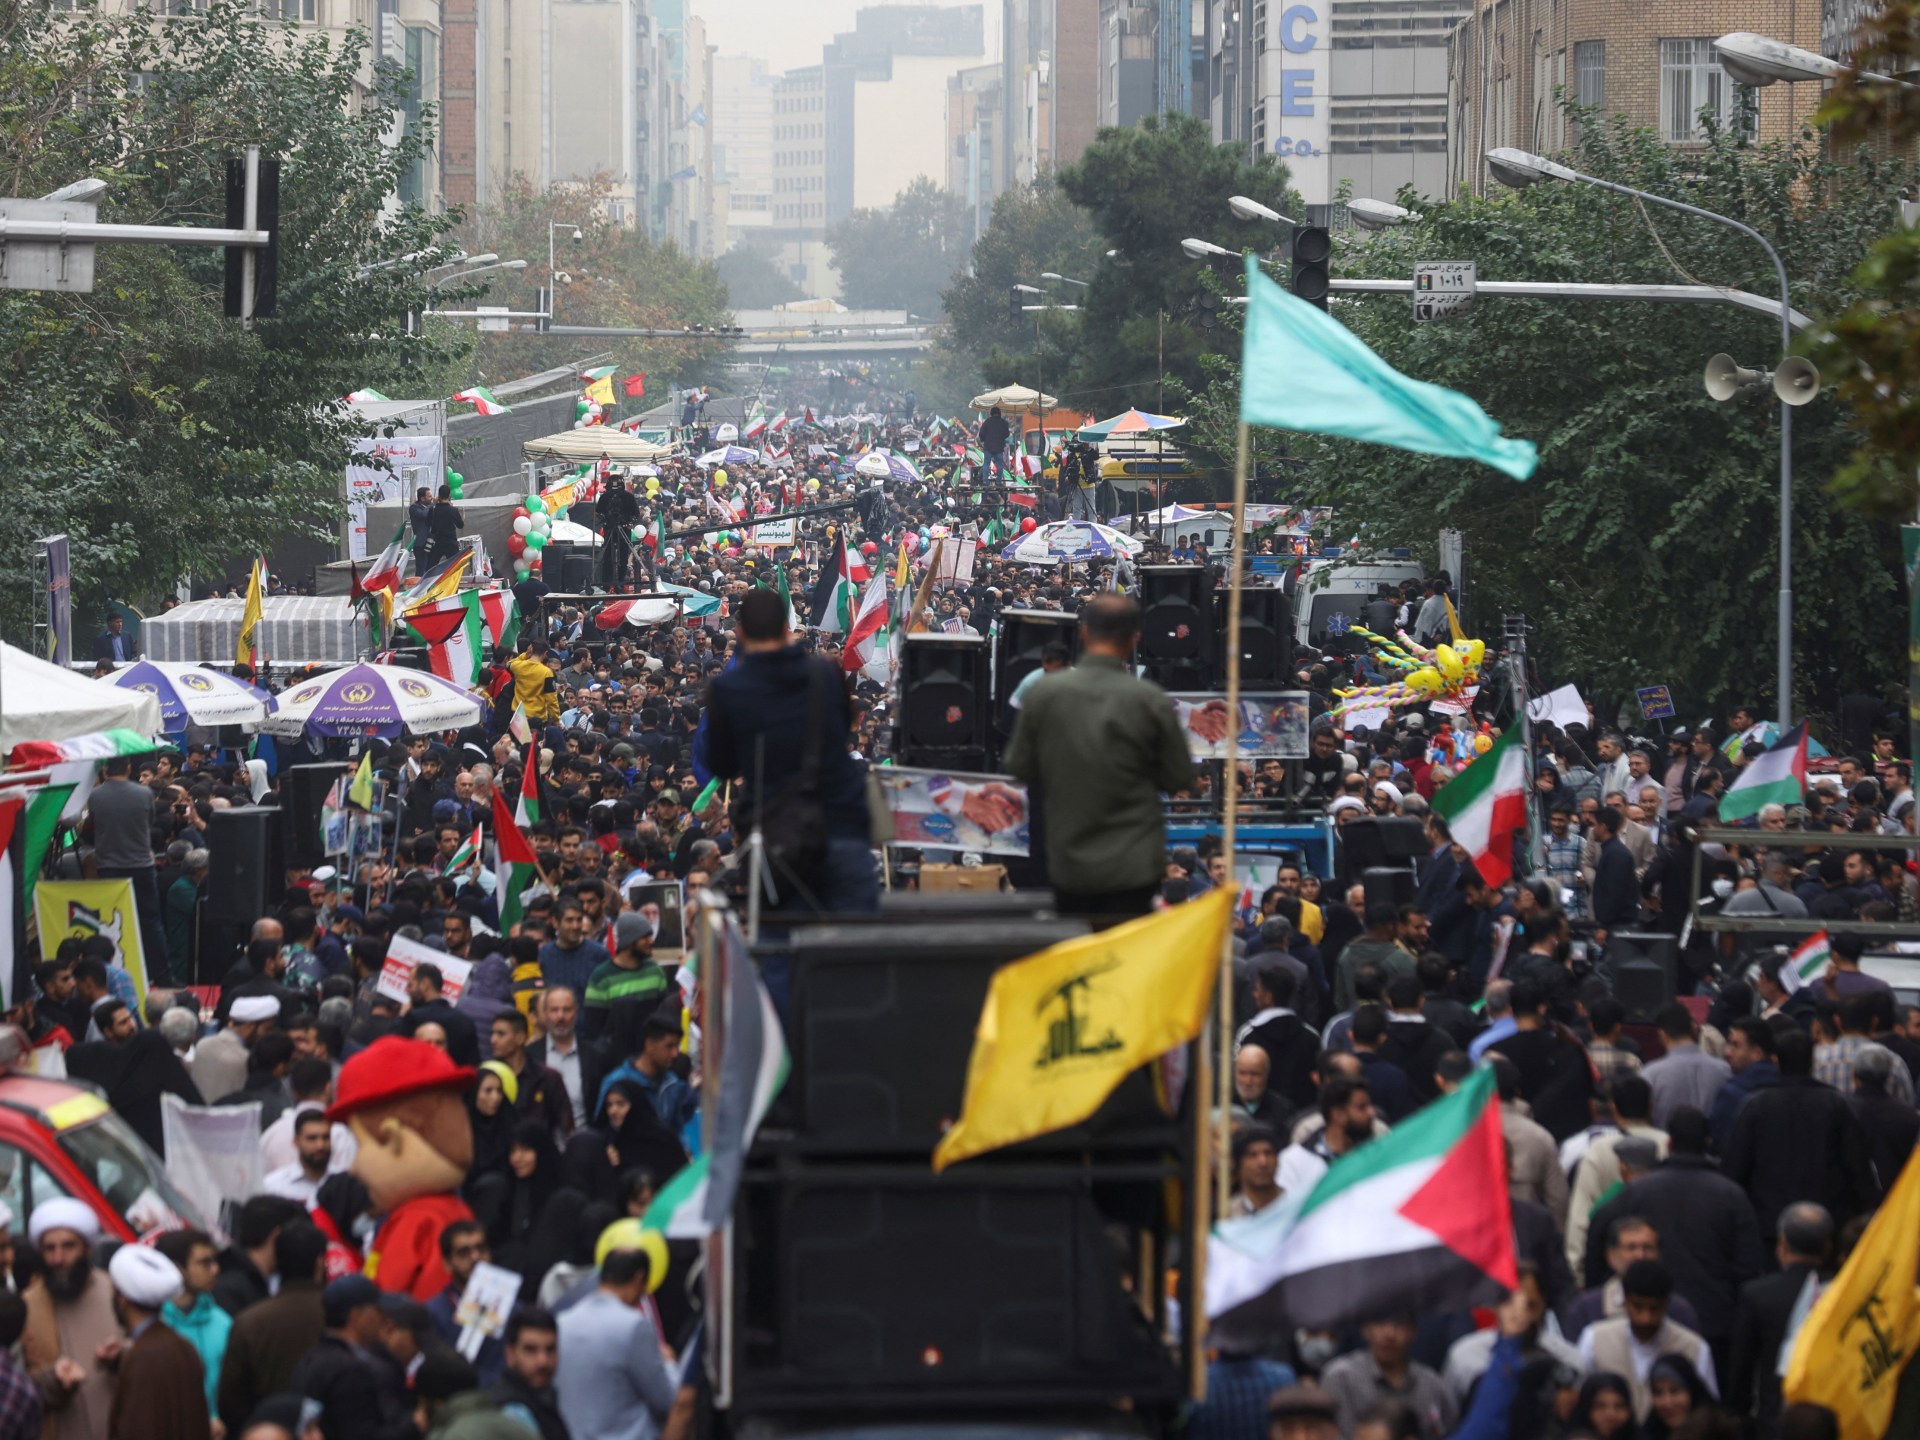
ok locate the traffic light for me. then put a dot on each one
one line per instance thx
(543, 308)
(266, 259)
(1312, 250)
(1014, 310)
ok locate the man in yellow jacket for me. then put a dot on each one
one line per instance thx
(533, 684)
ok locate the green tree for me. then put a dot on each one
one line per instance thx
(161, 437)
(1147, 189)
(614, 275)
(1644, 547)
(902, 257)
(1035, 229)
(753, 280)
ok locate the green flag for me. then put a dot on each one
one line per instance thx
(1301, 369)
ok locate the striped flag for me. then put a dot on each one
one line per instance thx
(467, 855)
(367, 397)
(482, 400)
(515, 867)
(13, 909)
(389, 565)
(519, 726)
(501, 615)
(1808, 963)
(836, 596)
(438, 583)
(1486, 804)
(455, 636)
(753, 1066)
(598, 372)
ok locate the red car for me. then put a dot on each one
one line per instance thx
(62, 1138)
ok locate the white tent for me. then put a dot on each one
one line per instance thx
(592, 443)
(41, 701)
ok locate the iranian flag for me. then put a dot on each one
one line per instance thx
(501, 616)
(837, 595)
(1778, 777)
(867, 636)
(1808, 963)
(778, 423)
(367, 397)
(468, 854)
(1417, 1220)
(455, 636)
(482, 400)
(756, 425)
(1485, 804)
(389, 566)
(515, 867)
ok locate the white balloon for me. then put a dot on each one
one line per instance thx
(522, 525)
(541, 522)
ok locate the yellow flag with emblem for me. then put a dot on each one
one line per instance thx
(1061, 1029)
(1862, 1330)
(245, 648)
(600, 391)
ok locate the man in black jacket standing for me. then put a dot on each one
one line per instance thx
(993, 442)
(444, 529)
(618, 513)
(1616, 896)
(1766, 1311)
(335, 1372)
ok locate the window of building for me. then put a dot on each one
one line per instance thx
(1691, 80)
(1590, 72)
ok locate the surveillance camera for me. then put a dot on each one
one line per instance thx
(578, 238)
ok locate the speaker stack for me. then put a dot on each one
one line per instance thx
(304, 791)
(567, 567)
(1023, 635)
(945, 713)
(1645, 966)
(1177, 626)
(1033, 1275)
(1266, 638)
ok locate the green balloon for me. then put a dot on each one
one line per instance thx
(454, 477)
(457, 487)
(536, 504)
(536, 540)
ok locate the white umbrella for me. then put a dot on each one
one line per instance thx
(193, 694)
(727, 433)
(373, 700)
(1014, 397)
(41, 701)
(1071, 540)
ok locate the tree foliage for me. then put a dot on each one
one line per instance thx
(902, 257)
(1147, 189)
(615, 275)
(1644, 548)
(162, 438)
(753, 280)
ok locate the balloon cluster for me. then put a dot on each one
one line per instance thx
(532, 529)
(1443, 673)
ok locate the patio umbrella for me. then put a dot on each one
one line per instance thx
(192, 694)
(368, 699)
(1131, 422)
(887, 465)
(727, 433)
(729, 455)
(1015, 397)
(1070, 540)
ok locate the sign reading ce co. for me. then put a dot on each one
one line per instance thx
(1304, 124)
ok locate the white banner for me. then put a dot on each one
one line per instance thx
(403, 954)
(368, 485)
(213, 1154)
(772, 533)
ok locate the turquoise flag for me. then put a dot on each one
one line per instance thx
(1301, 369)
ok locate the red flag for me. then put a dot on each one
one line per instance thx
(635, 385)
(507, 839)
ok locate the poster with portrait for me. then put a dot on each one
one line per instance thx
(662, 905)
(944, 810)
(1272, 726)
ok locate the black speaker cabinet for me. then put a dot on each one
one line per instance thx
(567, 567)
(1266, 638)
(1388, 886)
(877, 1288)
(943, 702)
(881, 1026)
(1390, 840)
(1023, 635)
(246, 868)
(303, 790)
(1645, 967)
(1176, 625)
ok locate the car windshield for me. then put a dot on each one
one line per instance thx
(131, 1177)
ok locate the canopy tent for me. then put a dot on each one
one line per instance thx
(41, 701)
(1015, 397)
(591, 444)
(1131, 422)
(294, 630)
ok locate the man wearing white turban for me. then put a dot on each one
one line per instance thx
(162, 1392)
(70, 1322)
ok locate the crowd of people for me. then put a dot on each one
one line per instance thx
(1681, 1180)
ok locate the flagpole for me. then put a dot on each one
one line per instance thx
(1230, 831)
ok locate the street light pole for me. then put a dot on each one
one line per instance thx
(1519, 169)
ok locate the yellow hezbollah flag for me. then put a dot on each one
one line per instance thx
(244, 648)
(1862, 1330)
(1061, 1029)
(360, 792)
(600, 392)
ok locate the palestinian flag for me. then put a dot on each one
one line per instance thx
(99, 745)
(389, 565)
(515, 867)
(455, 636)
(1417, 1220)
(867, 636)
(467, 855)
(482, 400)
(1808, 963)
(837, 595)
(1485, 804)
(1778, 777)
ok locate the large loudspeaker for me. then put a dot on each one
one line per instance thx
(246, 871)
(1266, 638)
(1376, 841)
(1645, 967)
(304, 790)
(567, 566)
(892, 1286)
(1176, 625)
(880, 1026)
(943, 702)
(1387, 886)
(585, 512)
(1023, 635)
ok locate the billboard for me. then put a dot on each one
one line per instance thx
(1295, 92)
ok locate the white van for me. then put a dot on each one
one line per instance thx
(1332, 591)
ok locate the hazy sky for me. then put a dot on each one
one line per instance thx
(788, 33)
